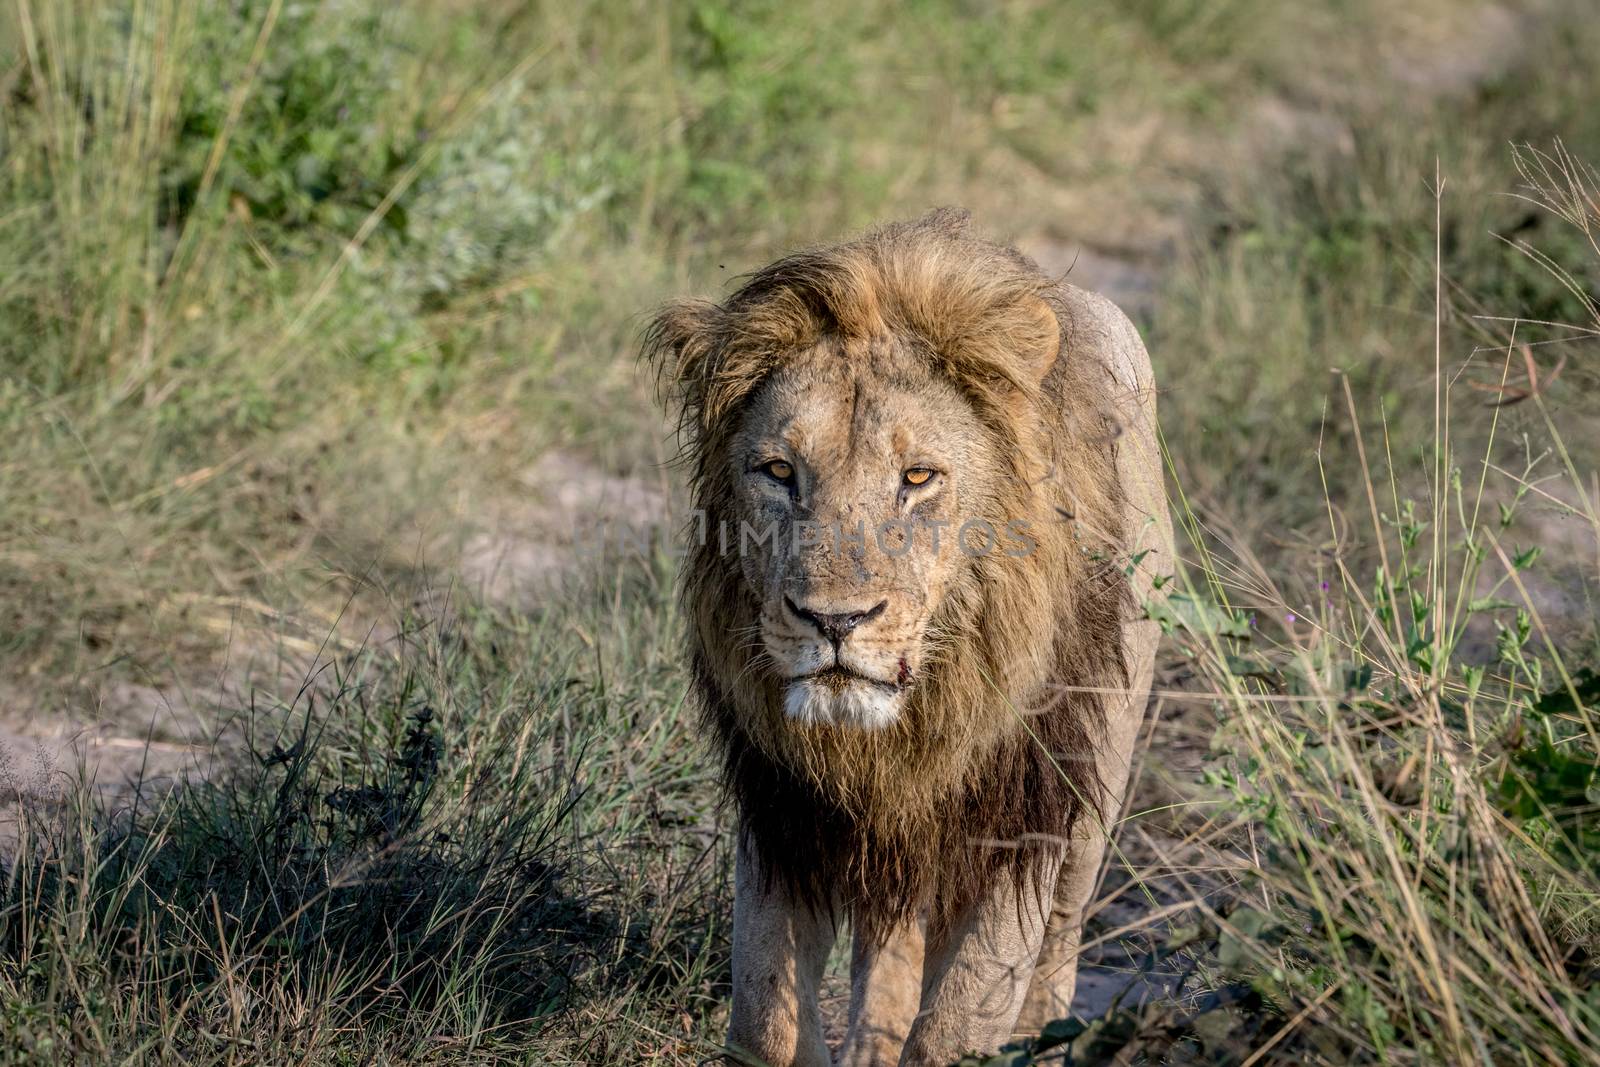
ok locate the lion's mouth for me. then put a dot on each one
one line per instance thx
(838, 696)
(837, 678)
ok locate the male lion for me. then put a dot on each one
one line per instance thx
(931, 502)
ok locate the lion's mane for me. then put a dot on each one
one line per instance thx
(992, 762)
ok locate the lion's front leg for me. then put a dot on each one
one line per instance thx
(780, 946)
(885, 993)
(977, 973)
(1056, 976)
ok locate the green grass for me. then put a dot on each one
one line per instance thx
(292, 295)
(485, 837)
(282, 282)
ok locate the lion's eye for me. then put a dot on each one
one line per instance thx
(918, 476)
(779, 470)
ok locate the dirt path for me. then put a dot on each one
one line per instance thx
(1105, 246)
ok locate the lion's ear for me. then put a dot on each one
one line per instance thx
(1039, 340)
(680, 344)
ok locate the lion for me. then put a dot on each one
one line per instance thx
(924, 736)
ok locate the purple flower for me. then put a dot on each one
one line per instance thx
(1289, 617)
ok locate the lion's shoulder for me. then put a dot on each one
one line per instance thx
(1094, 327)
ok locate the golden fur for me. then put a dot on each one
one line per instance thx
(989, 760)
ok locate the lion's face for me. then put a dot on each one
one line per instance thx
(855, 470)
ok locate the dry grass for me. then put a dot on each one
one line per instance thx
(1395, 857)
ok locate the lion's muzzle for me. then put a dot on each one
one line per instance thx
(841, 670)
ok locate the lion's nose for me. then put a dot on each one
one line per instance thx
(836, 625)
